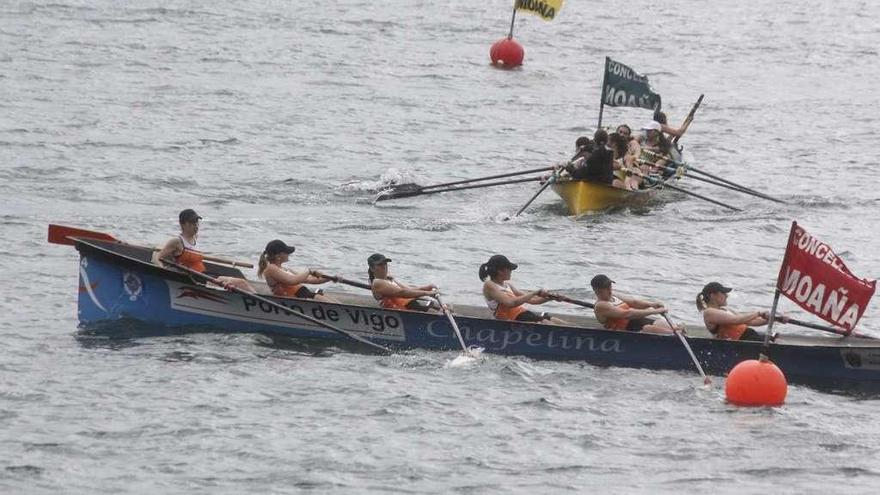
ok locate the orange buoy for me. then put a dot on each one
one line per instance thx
(507, 53)
(756, 383)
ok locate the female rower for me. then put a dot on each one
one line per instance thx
(393, 294)
(182, 249)
(626, 313)
(724, 323)
(285, 282)
(623, 163)
(505, 300)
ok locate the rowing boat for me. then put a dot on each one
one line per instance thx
(118, 285)
(583, 197)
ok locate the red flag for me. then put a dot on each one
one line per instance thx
(814, 277)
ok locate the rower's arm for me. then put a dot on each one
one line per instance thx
(607, 310)
(492, 291)
(285, 277)
(714, 317)
(171, 249)
(384, 288)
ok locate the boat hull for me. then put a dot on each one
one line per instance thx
(118, 288)
(582, 197)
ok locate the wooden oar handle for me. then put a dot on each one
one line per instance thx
(340, 280)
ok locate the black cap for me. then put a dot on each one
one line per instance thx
(189, 215)
(277, 247)
(501, 261)
(377, 258)
(601, 282)
(713, 287)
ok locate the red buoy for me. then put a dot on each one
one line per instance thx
(507, 53)
(756, 383)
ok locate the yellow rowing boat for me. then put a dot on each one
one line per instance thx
(583, 197)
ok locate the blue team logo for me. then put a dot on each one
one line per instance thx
(132, 285)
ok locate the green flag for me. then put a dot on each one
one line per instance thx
(624, 87)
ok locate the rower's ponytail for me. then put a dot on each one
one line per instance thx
(701, 302)
(484, 272)
(261, 266)
(370, 274)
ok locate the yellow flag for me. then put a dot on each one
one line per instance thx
(546, 9)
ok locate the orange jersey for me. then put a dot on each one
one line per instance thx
(730, 332)
(616, 323)
(502, 312)
(192, 259)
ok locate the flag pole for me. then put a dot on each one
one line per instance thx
(602, 94)
(512, 19)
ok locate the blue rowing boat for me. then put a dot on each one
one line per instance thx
(117, 283)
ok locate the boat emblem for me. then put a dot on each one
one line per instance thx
(132, 285)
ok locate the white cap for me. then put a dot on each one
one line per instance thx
(652, 126)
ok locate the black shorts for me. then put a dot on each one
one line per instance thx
(637, 324)
(531, 316)
(418, 305)
(752, 335)
(306, 293)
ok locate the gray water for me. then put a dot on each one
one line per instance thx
(282, 119)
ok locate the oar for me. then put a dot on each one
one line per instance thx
(551, 180)
(340, 280)
(824, 328)
(61, 234)
(560, 297)
(208, 278)
(409, 189)
(689, 118)
(685, 191)
(464, 349)
(673, 170)
(734, 184)
(410, 193)
(687, 346)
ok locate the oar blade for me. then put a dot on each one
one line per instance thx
(61, 234)
(400, 191)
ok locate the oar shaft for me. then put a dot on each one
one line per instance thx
(280, 307)
(560, 297)
(341, 280)
(488, 177)
(687, 347)
(734, 184)
(551, 180)
(726, 186)
(452, 322)
(689, 118)
(488, 184)
(410, 194)
(824, 328)
(689, 193)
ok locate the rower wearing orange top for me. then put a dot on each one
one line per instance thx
(506, 301)
(284, 282)
(724, 323)
(626, 313)
(182, 249)
(394, 294)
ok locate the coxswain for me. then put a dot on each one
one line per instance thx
(182, 249)
(284, 282)
(724, 323)
(626, 313)
(506, 301)
(394, 294)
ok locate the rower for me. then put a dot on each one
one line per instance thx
(393, 294)
(724, 323)
(506, 301)
(660, 118)
(285, 282)
(599, 166)
(626, 313)
(182, 249)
